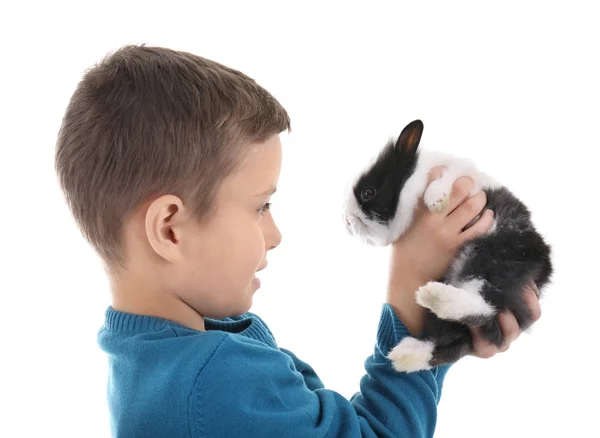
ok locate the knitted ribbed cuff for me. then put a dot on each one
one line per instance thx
(390, 331)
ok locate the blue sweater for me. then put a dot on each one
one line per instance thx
(168, 380)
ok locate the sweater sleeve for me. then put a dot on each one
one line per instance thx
(308, 373)
(250, 389)
(310, 376)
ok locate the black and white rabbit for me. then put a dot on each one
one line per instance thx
(489, 273)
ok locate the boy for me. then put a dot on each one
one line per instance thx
(167, 161)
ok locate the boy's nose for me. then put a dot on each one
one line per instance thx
(274, 238)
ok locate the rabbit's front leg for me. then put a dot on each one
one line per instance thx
(437, 194)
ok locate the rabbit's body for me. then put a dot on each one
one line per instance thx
(489, 272)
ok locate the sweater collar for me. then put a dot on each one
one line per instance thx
(246, 325)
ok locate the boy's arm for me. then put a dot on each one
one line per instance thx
(310, 376)
(250, 389)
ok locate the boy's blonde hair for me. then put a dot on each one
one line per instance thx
(147, 121)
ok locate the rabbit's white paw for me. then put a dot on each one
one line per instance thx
(437, 196)
(453, 303)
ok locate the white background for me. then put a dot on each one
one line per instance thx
(515, 87)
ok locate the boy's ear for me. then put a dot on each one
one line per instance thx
(163, 226)
(409, 138)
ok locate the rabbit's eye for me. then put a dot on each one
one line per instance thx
(368, 194)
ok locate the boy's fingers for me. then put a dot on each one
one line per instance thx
(510, 328)
(460, 192)
(530, 296)
(531, 285)
(467, 211)
(482, 348)
(483, 224)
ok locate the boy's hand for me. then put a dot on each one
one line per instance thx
(425, 251)
(509, 325)
(433, 238)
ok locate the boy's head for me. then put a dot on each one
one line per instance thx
(164, 158)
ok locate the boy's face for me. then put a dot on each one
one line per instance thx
(220, 257)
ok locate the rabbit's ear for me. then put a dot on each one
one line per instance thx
(409, 138)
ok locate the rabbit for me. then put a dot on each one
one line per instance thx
(488, 274)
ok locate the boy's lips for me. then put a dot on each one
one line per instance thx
(255, 279)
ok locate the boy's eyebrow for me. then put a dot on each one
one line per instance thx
(268, 192)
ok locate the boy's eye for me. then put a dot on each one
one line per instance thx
(262, 209)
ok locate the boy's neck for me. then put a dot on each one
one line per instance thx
(146, 300)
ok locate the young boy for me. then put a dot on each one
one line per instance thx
(167, 161)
